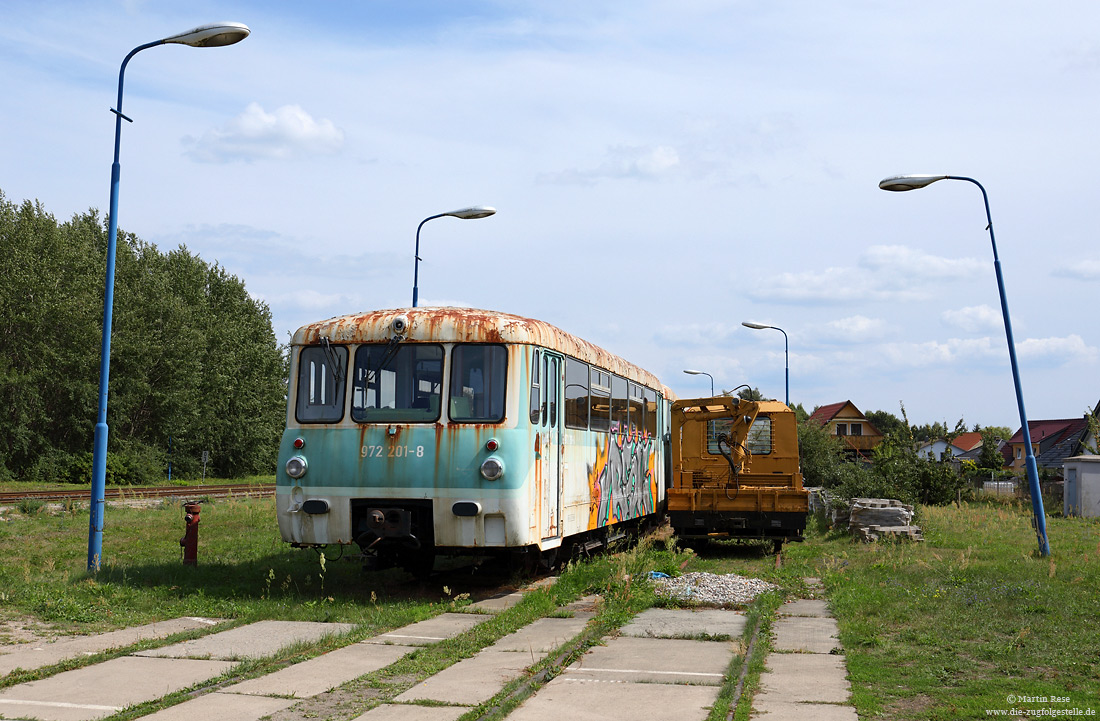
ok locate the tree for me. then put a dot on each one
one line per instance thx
(991, 457)
(194, 358)
(886, 422)
(750, 394)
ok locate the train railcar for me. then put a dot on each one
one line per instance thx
(735, 471)
(418, 431)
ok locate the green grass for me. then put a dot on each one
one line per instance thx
(245, 571)
(950, 627)
(943, 629)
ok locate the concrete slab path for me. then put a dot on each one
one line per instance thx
(30, 656)
(681, 623)
(805, 676)
(105, 688)
(568, 697)
(434, 630)
(256, 640)
(655, 660)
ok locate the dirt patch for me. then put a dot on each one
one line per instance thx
(909, 707)
(16, 631)
(334, 704)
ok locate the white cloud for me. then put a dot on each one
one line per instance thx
(882, 273)
(695, 334)
(287, 132)
(1070, 348)
(1088, 269)
(913, 266)
(623, 161)
(931, 353)
(854, 329)
(973, 319)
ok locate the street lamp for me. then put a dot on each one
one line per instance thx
(205, 36)
(477, 211)
(786, 355)
(703, 373)
(912, 182)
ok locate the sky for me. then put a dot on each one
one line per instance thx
(662, 172)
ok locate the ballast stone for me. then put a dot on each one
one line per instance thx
(710, 588)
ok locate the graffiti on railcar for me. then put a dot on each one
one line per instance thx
(622, 480)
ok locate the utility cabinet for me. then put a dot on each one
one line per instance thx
(1082, 486)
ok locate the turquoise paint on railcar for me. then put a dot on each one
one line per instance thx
(360, 459)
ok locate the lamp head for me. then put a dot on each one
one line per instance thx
(694, 373)
(755, 326)
(214, 35)
(909, 182)
(477, 211)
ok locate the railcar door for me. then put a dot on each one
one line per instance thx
(550, 429)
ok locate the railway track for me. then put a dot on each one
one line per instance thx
(130, 492)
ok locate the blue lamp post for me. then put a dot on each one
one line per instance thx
(205, 36)
(912, 182)
(786, 356)
(478, 211)
(703, 373)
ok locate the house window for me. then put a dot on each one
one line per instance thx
(842, 429)
(1019, 453)
(856, 429)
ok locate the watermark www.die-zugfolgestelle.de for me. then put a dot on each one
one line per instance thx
(1057, 708)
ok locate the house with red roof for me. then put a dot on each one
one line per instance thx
(941, 449)
(1052, 441)
(848, 423)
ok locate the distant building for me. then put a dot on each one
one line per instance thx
(1052, 442)
(941, 449)
(848, 423)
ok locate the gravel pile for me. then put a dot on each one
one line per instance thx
(712, 589)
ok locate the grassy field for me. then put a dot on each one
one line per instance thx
(969, 620)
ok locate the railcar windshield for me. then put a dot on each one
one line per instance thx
(397, 383)
(321, 384)
(478, 375)
(758, 441)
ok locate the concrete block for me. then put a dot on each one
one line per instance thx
(223, 707)
(433, 630)
(681, 623)
(655, 660)
(256, 640)
(805, 677)
(471, 681)
(806, 634)
(29, 656)
(323, 673)
(105, 688)
(576, 699)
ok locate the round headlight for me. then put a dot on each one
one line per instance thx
(492, 469)
(296, 467)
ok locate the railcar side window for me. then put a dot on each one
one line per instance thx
(535, 403)
(651, 412)
(620, 411)
(759, 440)
(478, 375)
(637, 408)
(576, 394)
(397, 383)
(321, 384)
(599, 400)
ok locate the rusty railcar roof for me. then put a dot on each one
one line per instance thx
(469, 325)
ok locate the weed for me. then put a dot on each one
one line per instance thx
(30, 506)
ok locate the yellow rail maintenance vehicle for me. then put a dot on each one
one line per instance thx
(735, 471)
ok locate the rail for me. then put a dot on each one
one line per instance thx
(127, 492)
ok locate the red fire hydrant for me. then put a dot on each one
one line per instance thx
(190, 540)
